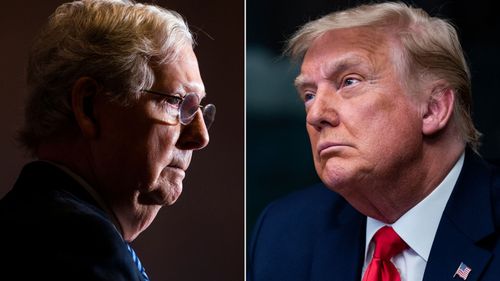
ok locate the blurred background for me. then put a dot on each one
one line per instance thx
(278, 153)
(200, 237)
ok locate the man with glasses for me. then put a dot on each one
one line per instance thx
(113, 116)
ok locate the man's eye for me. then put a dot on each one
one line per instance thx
(308, 97)
(350, 81)
(173, 100)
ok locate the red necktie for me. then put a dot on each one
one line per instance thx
(387, 245)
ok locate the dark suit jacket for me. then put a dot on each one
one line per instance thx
(316, 235)
(52, 229)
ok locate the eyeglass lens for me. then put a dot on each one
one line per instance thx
(209, 115)
(190, 106)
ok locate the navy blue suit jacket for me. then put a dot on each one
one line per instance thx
(52, 229)
(316, 235)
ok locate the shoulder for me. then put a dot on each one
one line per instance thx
(53, 220)
(47, 198)
(301, 216)
(313, 207)
(479, 186)
(289, 229)
(495, 195)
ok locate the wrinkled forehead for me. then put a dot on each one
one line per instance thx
(340, 49)
(181, 76)
(369, 40)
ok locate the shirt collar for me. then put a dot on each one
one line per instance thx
(419, 225)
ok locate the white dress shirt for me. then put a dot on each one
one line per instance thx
(417, 228)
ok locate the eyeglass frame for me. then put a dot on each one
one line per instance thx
(181, 99)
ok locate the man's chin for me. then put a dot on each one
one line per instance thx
(161, 196)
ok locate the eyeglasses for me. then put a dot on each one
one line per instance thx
(186, 107)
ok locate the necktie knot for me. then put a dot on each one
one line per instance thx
(387, 243)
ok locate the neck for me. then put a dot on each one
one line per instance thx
(387, 201)
(69, 154)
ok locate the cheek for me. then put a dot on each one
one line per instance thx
(391, 129)
(380, 113)
(161, 144)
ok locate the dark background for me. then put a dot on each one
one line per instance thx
(201, 237)
(278, 151)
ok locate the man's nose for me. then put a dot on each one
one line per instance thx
(323, 110)
(194, 135)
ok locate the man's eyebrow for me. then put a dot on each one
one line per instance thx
(191, 87)
(301, 81)
(330, 70)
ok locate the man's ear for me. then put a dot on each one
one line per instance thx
(82, 102)
(439, 110)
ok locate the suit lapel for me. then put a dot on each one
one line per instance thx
(339, 252)
(466, 221)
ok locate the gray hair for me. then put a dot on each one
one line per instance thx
(115, 42)
(430, 46)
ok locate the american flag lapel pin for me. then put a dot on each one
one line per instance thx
(462, 271)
